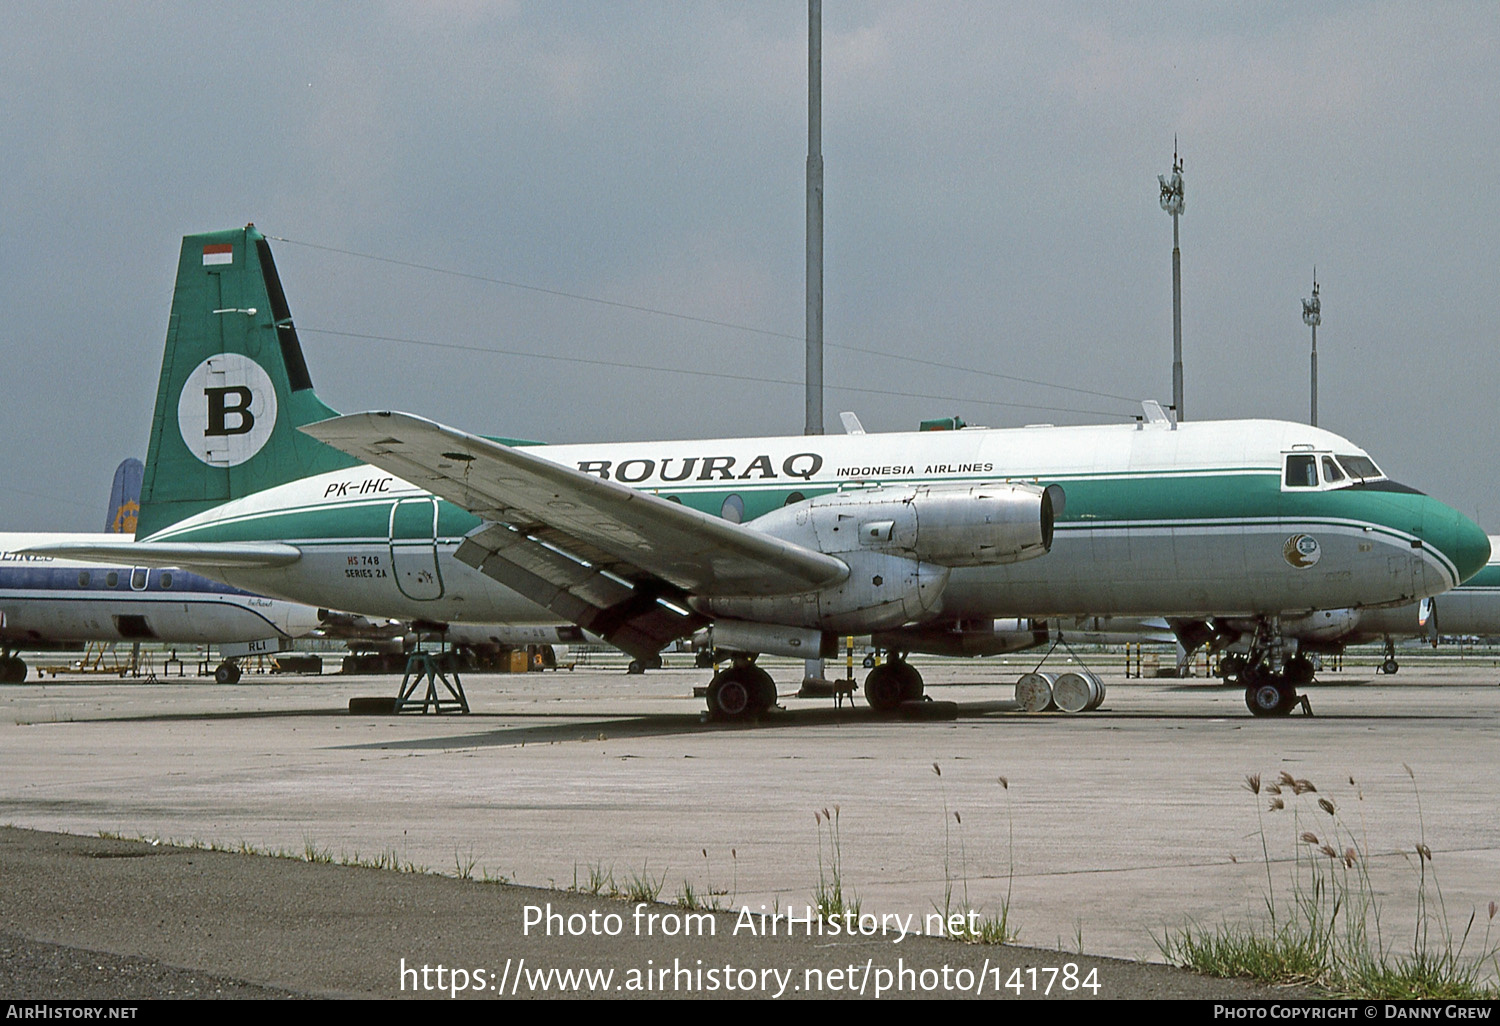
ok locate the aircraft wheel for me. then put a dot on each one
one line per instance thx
(227, 673)
(1231, 666)
(13, 670)
(765, 690)
(1270, 695)
(884, 688)
(732, 694)
(1389, 666)
(869, 662)
(911, 681)
(635, 668)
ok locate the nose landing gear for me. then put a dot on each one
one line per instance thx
(1271, 681)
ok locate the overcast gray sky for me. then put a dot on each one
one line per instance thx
(991, 206)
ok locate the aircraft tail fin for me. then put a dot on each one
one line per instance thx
(234, 386)
(125, 497)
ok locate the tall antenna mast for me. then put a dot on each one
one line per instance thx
(1312, 316)
(1171, 202)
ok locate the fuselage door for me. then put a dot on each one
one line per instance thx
(414, 560)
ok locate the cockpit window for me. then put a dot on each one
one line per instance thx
(1331, 471)
(1301, 471)
(1361, 467)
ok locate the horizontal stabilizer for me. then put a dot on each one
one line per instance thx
(175, 554)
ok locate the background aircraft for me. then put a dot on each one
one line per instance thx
(46, 602)
(782, 544)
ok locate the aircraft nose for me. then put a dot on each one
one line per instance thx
(1458, 538)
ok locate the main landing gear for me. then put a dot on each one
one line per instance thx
(892, 683)
(740, 691)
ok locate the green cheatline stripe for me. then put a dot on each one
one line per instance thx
(710, 491)
(1192, 526)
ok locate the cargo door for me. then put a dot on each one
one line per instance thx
(414, 548)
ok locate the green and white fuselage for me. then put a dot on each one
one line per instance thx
(1191, 520)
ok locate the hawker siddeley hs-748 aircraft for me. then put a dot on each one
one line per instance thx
(779, 544)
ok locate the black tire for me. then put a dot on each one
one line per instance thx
(869, 662)
(1231, 667)
(226, 673)
(13, 670)
(635, 668)
(1268, 695)
(884, 688)
(765, 690)
(732, 694)
(911, 681)
(1389, 666)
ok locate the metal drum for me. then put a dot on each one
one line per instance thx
(1034, 692)
(1078, 692)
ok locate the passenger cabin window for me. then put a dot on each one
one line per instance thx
(1301, 471)
(1331, 471)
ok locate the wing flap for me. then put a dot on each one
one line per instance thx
(629, 616)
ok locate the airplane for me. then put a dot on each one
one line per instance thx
(779, 545)
(47, 602)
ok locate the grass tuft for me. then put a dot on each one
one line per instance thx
(1328, 931)
(829, 896)
(643, 886)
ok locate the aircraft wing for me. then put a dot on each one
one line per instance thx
(614, 560)
(186, 555)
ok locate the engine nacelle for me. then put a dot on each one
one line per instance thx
(1322, 625)
(978, 638)
(881, 591)
(770, 639)
(957, 525)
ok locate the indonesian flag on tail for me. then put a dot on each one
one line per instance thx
(218, 253)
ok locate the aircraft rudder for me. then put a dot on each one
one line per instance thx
(125, 497)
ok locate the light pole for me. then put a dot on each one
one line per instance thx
(812, 669)
(1312, 316)
(1171, 202)
(813, 424)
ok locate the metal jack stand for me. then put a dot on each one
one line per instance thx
(422, 666)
